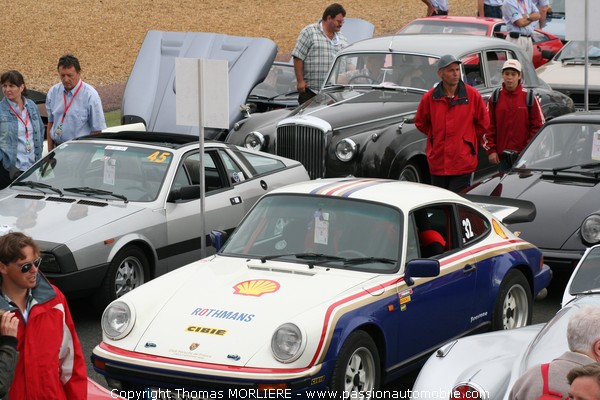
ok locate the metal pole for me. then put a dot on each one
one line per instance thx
(585, 70)
(201, 158)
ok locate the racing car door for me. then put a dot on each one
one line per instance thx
(224, 207)
(434, 310)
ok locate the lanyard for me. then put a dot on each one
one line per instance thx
(523, 6)
(24, 122)
(67, 106)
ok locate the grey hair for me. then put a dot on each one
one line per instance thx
(584, 329)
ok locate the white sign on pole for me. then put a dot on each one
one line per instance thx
(212, 91)
(575, 23)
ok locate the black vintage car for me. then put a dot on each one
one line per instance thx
(559, 171)
(361, 123)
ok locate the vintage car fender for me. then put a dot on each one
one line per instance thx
(489, 365)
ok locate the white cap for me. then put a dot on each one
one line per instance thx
(512, 64)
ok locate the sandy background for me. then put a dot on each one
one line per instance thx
(106, 34)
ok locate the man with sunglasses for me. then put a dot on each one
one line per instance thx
(51, 363)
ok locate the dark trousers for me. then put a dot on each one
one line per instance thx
(439, 12)
(454, 183)
(4, 177)
(492, 11)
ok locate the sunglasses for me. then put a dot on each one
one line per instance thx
(26, 267)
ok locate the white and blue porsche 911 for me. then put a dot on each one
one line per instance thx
(339, 284)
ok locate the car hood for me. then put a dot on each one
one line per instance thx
(150, 90)
(347, 107)
(561, 203)
(562, 76)
(58, 219)
(226, 310)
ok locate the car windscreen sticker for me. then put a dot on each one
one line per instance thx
(321, 227)
(109, 171)
(596, 146)
(117, 148)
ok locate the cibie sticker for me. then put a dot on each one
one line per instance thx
(117, 148)
(321, 227)
(596, 146)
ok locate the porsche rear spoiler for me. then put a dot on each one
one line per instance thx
(509, 211)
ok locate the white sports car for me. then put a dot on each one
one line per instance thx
(486, 366)
(340, 284)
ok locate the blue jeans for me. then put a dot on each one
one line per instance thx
(492, 11)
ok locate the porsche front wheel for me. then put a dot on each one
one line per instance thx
(514, 304)
(357, 372)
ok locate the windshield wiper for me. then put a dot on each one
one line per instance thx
(303, 256)
(364, 260)
(582, 166)
(88, 191)
(37, 185)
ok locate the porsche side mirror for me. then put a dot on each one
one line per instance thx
(218, 239)
(421, 268)
(510, 157)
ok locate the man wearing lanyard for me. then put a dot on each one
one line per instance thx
(436, 7)
(74, 107)
(489, 8)
(519, 16)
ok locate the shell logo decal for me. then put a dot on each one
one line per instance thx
(256, 287)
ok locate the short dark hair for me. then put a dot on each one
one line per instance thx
(69, 60)
(13, 77)
(592, 370)
(12, 244)
(333, 10)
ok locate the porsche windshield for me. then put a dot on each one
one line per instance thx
(575, 51)
(374, 69)
(320, 231)
(572, 147)
(588, 275)
(100, 170)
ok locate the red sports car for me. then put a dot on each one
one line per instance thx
(485, 27)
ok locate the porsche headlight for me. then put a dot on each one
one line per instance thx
(590, 229)
(345, 150)
(286, 343)
(117, 320)
(254, 141)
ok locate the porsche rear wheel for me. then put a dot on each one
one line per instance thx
(514, 305)
(357, 370)
(128, 270)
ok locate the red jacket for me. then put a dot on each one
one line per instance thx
(51, 363)
(512, 122)
(453, 128)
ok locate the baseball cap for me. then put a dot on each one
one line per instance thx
(513, 64)
(447, 60)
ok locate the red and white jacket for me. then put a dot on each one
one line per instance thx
(51, 363)
(512, 122)
(453, 127)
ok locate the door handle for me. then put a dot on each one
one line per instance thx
(469, 268)
(235, 200)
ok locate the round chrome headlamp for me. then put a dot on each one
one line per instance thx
(117, 320)
(286, 343)
(254, 141)
(345, 150)
(590, 229)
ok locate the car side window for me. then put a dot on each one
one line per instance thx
(494, 62)
(188, 172)
(261, 164)
(235, 174)
(412, 242)
(473, 225)
(473, 69)
(435, 234)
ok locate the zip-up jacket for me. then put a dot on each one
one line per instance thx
(512, 122)
(453, 127)
(51, 363)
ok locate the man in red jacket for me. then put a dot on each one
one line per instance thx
(513, 121)
(51, 363)
(454, 118)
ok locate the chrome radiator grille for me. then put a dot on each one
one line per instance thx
(305, 144)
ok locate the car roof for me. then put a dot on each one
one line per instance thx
(164, 139)
(579, 116)
(404, 195)
(461, 18)
(429, 44)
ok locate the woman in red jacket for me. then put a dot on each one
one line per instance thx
(454, 118)
(51, 363)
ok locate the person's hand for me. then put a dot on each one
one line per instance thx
(493, 158)
(431, 10)
(301, 86)
(9, 324)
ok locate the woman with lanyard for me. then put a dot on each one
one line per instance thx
(21, 129)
